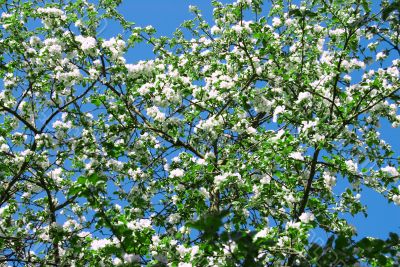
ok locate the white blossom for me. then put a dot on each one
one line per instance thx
(302, 96)
(307, 217)
(276, 22)
(278, 110)
(396, 199)
(329, 180)
(390, 170)
(4, 148)
(117, 261)
(50, 11)
(87, 43)
(155, 113)
(336, 32)
(291, 224)
(215, 30)
(130, 258)
(139, 224)
(100, 243)
(142, 68)
(393, 71)
(351, 165)
(261, 234)
(296, 155)
(176, 173)
(380, 56)
(266, 179)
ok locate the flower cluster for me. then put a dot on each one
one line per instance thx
(242, 136)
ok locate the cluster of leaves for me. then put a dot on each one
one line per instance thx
(224, 150)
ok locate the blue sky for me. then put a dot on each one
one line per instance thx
(166, 16)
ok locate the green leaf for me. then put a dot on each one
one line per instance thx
(389, 9)
(295, 12)
(96, 102)
(365, 5)
(310, 14)
(209, 223)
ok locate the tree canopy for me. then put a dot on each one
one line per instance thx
(223, 150)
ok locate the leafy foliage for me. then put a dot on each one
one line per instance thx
(223, 150)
